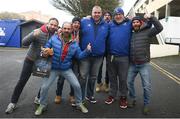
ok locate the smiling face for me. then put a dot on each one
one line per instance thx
(52, 25)
(66, 29)
(119, 17)
(96, 13)
(136, 24)
(76, 25)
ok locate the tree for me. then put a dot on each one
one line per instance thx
(9, 15)
(83, 8)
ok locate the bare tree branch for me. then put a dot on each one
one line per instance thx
(83, 8)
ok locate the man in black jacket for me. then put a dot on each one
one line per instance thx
(140, 57)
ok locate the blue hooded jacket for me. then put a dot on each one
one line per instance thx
(94, 34)
(119, 38)
(74, 50)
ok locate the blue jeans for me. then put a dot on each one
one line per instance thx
(89, 69)
(144, 71)
(60, 82)
(69, 76)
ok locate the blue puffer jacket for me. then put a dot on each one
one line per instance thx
(119, 38)
(74, 50)
(94, 34)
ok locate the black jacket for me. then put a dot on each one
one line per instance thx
(140, 42)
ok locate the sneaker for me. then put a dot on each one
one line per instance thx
(106, 87)
(91, 99)
(57, 99)
(109, 100)
(123, 103)
(10, 108)
(146, 110)
(82, 108)
(36, 100)
(40, 110)
(72, 100)
(131, 103)
(84, 102)
(73, 104)
(98, 87)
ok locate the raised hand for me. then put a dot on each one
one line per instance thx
(147, 16)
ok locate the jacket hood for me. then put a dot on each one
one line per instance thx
(44, 28)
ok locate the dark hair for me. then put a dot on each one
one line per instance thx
(107, 12)
(137, 18)
(76, 19)
(53, 18)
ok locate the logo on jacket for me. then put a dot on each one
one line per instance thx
(89, 25)
(2, 33)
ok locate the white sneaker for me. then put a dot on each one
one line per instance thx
(10, 108)
(82, 108)
(36, 100)
(40, 110)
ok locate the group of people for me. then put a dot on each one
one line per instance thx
(79, 49)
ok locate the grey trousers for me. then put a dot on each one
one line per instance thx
(88, 70)
(118, 71)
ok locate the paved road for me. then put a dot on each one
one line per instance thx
(165, 100)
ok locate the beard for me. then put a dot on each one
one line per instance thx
(66, 34)
(136, 27)
(52, 30)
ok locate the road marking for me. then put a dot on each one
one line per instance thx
(19, 61)
(168, 74)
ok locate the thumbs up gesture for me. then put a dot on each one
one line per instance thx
(88, 47)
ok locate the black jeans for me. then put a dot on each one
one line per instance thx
(24, 77)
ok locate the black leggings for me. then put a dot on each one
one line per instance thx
(24, 77)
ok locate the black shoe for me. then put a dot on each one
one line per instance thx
(131, 103)
(91, 99)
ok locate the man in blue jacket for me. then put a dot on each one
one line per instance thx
(94, 30)
(75, 36)
(118, 59)
(104, 86)
(64, 49)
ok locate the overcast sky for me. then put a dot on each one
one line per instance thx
(44, 6)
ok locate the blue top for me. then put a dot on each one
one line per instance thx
(74, 50)
(119, 38)
(96, 34)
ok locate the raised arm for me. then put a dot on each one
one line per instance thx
(157, 26)
(82, 54)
